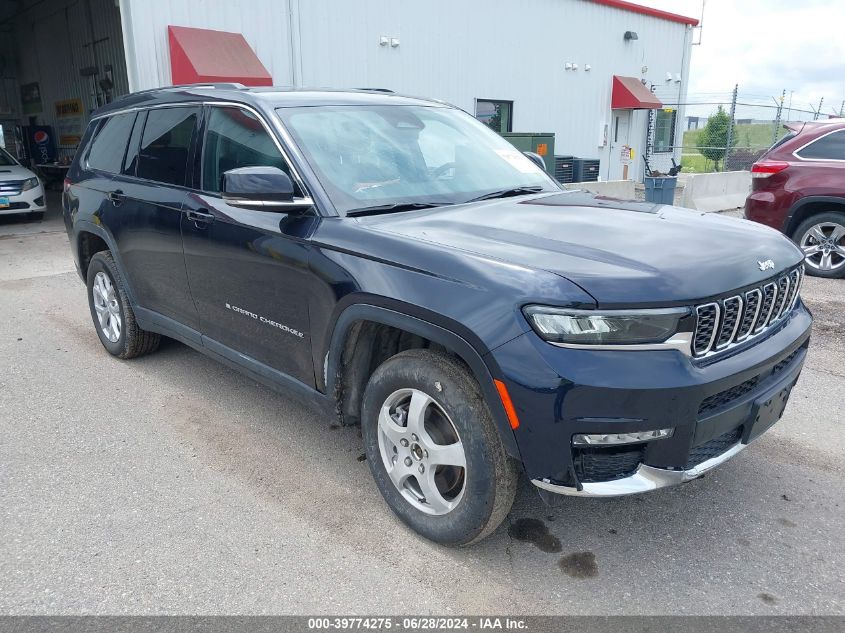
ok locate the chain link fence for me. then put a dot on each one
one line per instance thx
(725, 131)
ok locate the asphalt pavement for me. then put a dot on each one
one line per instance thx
(172, 484)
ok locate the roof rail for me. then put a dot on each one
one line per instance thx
(388, 90)
(217, 85)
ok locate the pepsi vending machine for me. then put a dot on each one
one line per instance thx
(39, 143)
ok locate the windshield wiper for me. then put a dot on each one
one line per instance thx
(390, 208)
(505, 193)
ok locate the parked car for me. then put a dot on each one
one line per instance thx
(402, 267)
(21, 190)
(798, 187)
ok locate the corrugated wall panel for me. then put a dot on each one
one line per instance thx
(264, 24)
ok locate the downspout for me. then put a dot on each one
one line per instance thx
(293, 44)
(128, 45)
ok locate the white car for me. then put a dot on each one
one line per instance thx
(21, 190)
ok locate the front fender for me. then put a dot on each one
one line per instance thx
(470, 354)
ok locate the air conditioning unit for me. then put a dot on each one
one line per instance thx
(586, 169)
(564, 169)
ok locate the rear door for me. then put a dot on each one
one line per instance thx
(248, 269)
(148, 203)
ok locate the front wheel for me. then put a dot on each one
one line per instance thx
(434, 450)
(822, 238)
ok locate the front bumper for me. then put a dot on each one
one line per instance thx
(712, 408)
(31, 201)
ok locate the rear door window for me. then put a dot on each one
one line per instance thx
(830, 147)
(166, 143)
(109, 146)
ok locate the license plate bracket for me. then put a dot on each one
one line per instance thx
(768, 409)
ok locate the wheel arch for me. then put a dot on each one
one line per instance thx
(83, 233)
(349, 326)
(808, 207)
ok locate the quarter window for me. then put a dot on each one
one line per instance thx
(109, 144)
(236, 138)
(497, 115)
(830, 147)
(165, 144)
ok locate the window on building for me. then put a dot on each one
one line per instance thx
(236, 138)
(497, 115)
(664, 130)
(109, 146)
(830, 147)
(165, 143)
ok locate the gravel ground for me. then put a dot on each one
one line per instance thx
(171, 484)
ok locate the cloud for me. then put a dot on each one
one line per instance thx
(767, 46)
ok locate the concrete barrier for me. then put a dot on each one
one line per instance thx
(622, 189)
(716, 192)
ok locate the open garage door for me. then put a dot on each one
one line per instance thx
(60, 60)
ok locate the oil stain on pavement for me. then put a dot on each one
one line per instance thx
(579, 565)
(534, 531)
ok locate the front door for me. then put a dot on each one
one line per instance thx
(620, 150)
(248, 270)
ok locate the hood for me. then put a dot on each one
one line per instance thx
(15, 172)
(621, 252)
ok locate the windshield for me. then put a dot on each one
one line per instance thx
(374, 155)
(6, 159)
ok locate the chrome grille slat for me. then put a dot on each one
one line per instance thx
(731, 311)
(734, 319)
(753, 300)
(11, 187)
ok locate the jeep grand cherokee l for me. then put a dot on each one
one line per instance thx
(400, 266)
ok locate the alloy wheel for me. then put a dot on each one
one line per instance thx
(824, 246)
(422, 451)
(107, 307)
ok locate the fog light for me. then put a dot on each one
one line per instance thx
(613, 439)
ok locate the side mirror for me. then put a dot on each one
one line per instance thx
(260, 188)
(536, 159)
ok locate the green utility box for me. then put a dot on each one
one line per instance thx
(542, 143)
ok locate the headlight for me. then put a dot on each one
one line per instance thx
(613, 327)
(30, 183)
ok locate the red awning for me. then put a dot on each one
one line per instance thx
(629, 93)
(204, 56)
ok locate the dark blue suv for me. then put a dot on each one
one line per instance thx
(402, 267)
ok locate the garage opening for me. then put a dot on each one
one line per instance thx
(59, 61)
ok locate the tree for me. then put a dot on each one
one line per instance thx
(713, 141)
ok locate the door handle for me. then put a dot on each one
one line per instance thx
(199, 218)
(116, 197)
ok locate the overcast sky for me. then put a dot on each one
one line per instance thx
(767, 46)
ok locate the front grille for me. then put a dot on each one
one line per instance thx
(10, 187)
(607, 464)
(726, 397)
(719, 400)
(715, 447)
(725, 323)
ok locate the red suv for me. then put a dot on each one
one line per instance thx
(798, 187)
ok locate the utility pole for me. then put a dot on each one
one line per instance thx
(730, 127)
(818, 111)
(777, 118)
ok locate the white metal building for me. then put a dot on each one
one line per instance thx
(529, 66)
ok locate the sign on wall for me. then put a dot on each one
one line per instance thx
(69, 121)
(31, 98)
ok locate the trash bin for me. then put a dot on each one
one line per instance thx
(660, 189)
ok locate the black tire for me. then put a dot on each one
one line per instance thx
(132, 341)
(490, 476)
(811, 265)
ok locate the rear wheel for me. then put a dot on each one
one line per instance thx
(822, 238)
(434, 450)
(112, 313)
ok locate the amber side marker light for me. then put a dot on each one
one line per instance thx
(506, 402)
